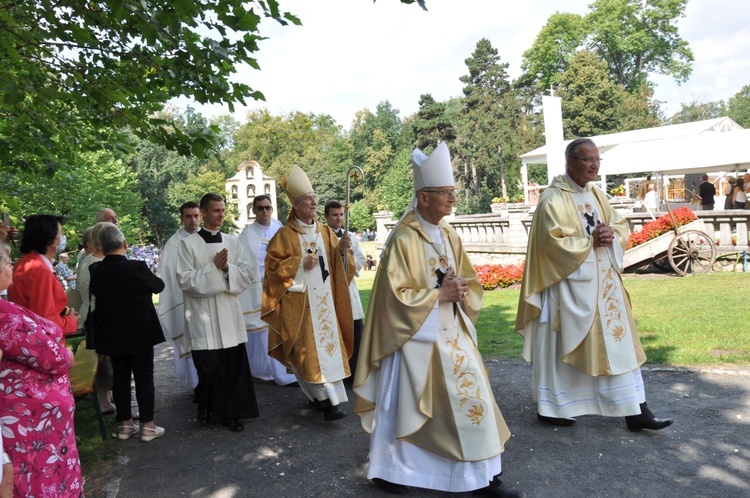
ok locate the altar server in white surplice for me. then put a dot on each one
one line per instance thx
(574, 312)
(423, 390)
(254, 239)
(212, 272)
(171, 309)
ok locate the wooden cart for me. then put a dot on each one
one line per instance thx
(687, 249)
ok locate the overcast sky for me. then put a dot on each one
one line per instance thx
(352, 54)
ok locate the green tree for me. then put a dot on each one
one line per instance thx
(95, 180)
(360, 217)
(76, 72)
(550, 54)
(485, 149)
(398, 185)
(638, 37)
(594, 104)
(698, 111)
(431, 125)
(738, 107)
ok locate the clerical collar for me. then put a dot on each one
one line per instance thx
(305, 227)
(210, 236)
(575, 186)
(426, 224)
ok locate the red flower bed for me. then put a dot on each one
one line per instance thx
(660, 226)
(494, 276)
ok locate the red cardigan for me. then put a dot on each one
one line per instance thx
(36, 288)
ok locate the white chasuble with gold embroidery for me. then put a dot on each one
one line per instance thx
(466, 391)
(592, 301)
(317, 284)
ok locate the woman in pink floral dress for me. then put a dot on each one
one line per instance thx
(36, 404)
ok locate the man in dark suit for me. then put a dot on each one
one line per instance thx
(128, 329)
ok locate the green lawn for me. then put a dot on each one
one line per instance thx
(700, 320)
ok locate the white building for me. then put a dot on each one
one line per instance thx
(242, 188)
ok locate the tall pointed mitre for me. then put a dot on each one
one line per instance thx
(296, 184)
(432, 171)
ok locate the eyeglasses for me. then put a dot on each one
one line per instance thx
(589, 160)
(264, 208)
(309, 198)
(447, 192)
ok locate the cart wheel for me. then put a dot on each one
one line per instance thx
(692, 252)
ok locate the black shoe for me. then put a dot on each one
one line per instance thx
(203, 417)
(556, 421)
(646, 420)
(315, 405)
(391, 487)
(233, 424)
(331, 413)
(497, 490)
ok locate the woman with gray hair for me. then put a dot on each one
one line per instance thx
(128, 329)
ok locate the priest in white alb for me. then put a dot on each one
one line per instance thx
(212, 272)
(306, 300)
(574, 312)
(254, 239)
(423, 390)
(171, 309)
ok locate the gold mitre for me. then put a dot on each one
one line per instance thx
(296, 184)
(432, 171)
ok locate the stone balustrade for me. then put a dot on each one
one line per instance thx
(501, 237)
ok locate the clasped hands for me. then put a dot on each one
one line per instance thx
(453, 289)
(221, 260)
(603, 235)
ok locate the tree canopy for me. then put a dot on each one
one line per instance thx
(78, 72)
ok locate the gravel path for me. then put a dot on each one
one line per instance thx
(291, 452)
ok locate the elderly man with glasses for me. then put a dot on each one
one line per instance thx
(573, 312)
(306, 300)
(422, 388)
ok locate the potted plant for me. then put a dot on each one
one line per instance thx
(618, 191)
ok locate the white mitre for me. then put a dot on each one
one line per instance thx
(433, 171)
(296, 183)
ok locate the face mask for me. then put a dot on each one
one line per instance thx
(61, 246)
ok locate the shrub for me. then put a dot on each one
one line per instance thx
(660, 226)
(494, 276)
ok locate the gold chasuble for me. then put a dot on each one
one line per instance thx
(309, 315)
(590, 307)
(445, 402)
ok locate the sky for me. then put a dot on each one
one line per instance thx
(349, 55)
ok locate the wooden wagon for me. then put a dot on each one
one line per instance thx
(687, 249)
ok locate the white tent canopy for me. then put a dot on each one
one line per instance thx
(704, 153)
(717, 144)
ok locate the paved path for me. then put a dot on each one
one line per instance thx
(291, 452)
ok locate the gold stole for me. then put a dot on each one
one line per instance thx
(608, 342)
(464, 422)
(322, 312)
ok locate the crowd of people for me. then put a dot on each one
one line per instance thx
(279, 303)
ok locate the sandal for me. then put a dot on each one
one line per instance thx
(125, 431)
(150, 433)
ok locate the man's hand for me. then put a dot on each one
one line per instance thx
(453, 289)
(344, 243)
(603, 235)
(221, 259)
(310, 261)
(76, 316)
